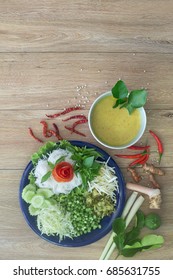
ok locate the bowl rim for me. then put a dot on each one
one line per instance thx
(133, 141)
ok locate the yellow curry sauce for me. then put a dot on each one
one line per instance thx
(114, 127)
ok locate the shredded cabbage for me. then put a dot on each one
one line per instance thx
(53, 221)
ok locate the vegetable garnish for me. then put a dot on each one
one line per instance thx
(159, 144)
(63, 172)
(130, 101)
(129, 242)
(70, 189)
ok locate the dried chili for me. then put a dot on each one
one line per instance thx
(54, 133)
(66, 111)
(75, 117)
(56, 128)
(75, 131)
(33, 136)
(159, 144)
(79, 122)
(46, 132)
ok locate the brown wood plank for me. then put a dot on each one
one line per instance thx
(39, 81)
(86, 26)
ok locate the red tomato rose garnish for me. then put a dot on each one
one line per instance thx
(63, 172)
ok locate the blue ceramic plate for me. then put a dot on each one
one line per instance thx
(106, 223)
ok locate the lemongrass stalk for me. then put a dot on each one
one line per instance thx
(129, 204)
(130, 216)
(127, 207)
(134, 209)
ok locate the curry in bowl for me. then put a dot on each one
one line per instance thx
(115, 127)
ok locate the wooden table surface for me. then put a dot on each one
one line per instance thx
(54, 54)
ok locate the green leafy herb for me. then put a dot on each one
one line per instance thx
(150, 241)
(129, 243)
(130, 101)
(43, 151)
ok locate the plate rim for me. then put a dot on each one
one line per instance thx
(101, 232)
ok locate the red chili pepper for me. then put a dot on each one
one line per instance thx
(133, 147)
(33, 136)
(131, 156)
(75, 131)
(75, 117)
(46, 132)
(159, 144)
(138, 161)
(66, 111)
(142, 160)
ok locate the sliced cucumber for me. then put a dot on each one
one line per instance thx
(47, 203)
(47, 193)
(33, 211)
(29, 187)
(28, 196)
(37, 201)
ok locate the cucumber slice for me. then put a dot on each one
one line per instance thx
(47, 193)
(37, 201)
(28, 196)
(47, 203)
(33, 211)
(29, 187)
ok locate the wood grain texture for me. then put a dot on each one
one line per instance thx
(86, 26)
(27, 79)
(56, 54)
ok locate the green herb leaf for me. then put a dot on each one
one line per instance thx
(131, 236)
(119, 226)
(137, 98)
(59, 160)
(120, 90)
(88, 162)
(150, 241)
(119, 102)
(46, 176)
(130, 108)
(140, 219)
(119, 241)
(51, 164)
